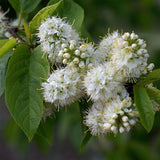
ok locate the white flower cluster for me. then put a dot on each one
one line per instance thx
(63, 87)
(113, 109)
(3, 28)
(53, 32)
(114, 116)
(82, 56)
(104, 74)
(127, 53)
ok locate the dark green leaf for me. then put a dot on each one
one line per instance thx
(24, 6)
(42, 15)
(71, 10)
(16, 4)
(150, 78)
(45, 129)
(154, 94)
(74, 14)
(85, 140)
(24, 99)
(144, 107)
(3, 67)
(29, 5)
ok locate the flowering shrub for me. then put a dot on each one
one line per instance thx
(51, 67)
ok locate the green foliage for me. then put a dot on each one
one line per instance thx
(72, 11)
(85, 140)
(45, 129)
(41, 15)
(3, 67)
(24, 100)
(144, 107)
(6, 45)
(154, 94)
(24, 6)
(27, 31)
(150, 78)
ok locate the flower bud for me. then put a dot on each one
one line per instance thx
(77, 52)
(83, 55)
(65, 61)
(76, 60)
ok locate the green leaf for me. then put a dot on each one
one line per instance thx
(85, 140)
(3, 67)
(24, 6)
(25, 73)
(7, 46)
(27, 31)
(150, 78)
(154, 94)
(71, 10)
(45, 129)
(16, 4)
(74, 14)
(29, 5)
(60, 8)
(144, 107)
(42, 15)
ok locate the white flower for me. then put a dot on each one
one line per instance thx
(99, 118)
(63, 87)
(54, 33)
(90, 57)
(103, 83)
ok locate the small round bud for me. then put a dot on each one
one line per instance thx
(125, 36)
(150, 67)
(60, 54)
(124, 118)
(81, 65)
(71, 65)
(90, 66)
(114, 116)
(63, 45)
(65, 50)
(65, 61)
(106, 126)
(82, 48)
(134, 45)
(121, 129)
(111, 121)
(128, 128)
(132, 122)
(114, 129)
(76, 60)
(143, 46)
(146, 55)
(125, 43)
(83, 55)
(72, 42)
(77, 52)
(121, 113)
(71, 47)
(134, 36)
(139, 52)
(126, 124)
(66, 55)
(140, 41)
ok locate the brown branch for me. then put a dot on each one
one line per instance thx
(13, 31)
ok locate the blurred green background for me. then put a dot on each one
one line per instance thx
(141, 16)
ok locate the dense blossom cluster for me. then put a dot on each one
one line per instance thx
(101, 74)
(3, 19)
(53, 33)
